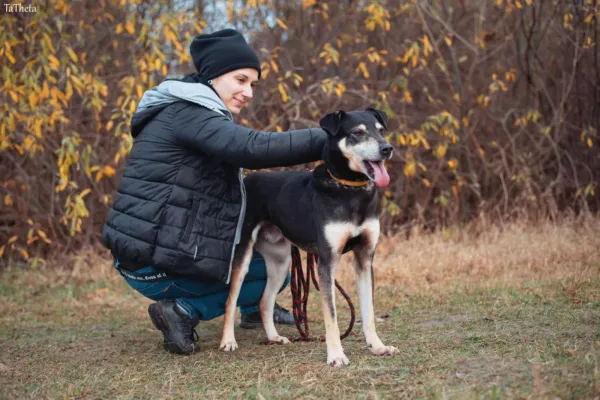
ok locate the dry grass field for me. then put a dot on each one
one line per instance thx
(487, 311)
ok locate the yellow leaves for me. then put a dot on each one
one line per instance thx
(412, 54)
(440, 150)
(24, 253)
(8, 201)
(48, 42)
(567, 21)
(2, 250)
(448, 41)
(453, 163)
(33, 100)
(588, 43)
(378, 15)
(330, 54)
(54, 63)
(308, 3)
(281, 24)
(426, 45)
(587, 134)
(10, 58)
(12, 239)
(407, 97)
(589, 18)
(282, 92)
(129, 28)
(483, 100)
(410, 168)
(119, 29)
(510, 76)
(362, 67)
(140, 91)
(45, 93)
(331, 85)
(72, 55)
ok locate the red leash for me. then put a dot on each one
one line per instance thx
(300, 288)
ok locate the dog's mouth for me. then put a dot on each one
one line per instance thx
(375, 171)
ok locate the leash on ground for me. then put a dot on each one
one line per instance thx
(300, 288)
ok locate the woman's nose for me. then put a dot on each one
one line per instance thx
(248, 92)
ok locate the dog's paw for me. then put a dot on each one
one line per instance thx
(338, 361)
(230, 345)
(280, 340)
(384, 351)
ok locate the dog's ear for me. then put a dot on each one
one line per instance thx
(380, 115)
(331, 122)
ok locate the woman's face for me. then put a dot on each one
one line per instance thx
(235, 88)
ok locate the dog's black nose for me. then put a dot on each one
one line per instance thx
(385, 150)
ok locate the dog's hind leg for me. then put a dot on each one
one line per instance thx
(363, 267)
(238, 273)
(276, 251)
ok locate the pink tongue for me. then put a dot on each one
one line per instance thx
(382, 179)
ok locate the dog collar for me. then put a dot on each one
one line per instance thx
(347, 182)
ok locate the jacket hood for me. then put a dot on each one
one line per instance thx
(171, 91)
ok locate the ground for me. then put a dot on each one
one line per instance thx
(499, 312)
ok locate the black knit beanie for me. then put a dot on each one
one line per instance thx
(220, 52)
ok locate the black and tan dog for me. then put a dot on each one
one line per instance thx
(321, 212)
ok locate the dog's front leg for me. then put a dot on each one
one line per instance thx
(327, 267)
(363, 267)
(238, 273)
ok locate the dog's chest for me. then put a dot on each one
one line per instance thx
(337, 234)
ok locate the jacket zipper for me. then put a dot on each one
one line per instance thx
(238, 230)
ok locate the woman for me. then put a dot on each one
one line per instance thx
(177, 213)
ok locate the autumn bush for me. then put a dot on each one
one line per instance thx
(493, 105)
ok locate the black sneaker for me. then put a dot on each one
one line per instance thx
(176, 326)
(281, 316)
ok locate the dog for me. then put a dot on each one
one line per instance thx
(328, 211)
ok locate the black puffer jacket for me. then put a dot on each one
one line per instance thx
(181, 200)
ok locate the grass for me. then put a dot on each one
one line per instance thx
(507, 312)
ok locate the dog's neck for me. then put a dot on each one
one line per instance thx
(338, 168)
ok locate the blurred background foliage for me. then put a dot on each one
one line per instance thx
(493, 104)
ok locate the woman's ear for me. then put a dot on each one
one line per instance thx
(331, 122)
(380, 115)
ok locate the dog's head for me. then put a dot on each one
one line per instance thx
(359, 137)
